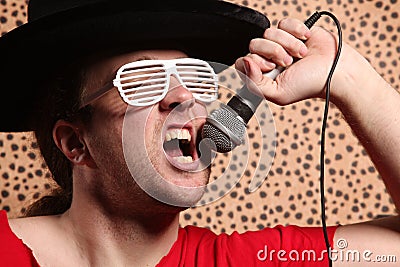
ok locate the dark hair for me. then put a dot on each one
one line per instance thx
(60, 100)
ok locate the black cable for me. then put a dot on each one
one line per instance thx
(309, 23)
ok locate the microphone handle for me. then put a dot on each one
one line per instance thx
(245, 102)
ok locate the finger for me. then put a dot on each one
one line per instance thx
(257, 82)
(239, 65)
(294, 46)
(264, 64)
(270, 50)
(295, 27)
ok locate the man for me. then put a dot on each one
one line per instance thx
(96, 138)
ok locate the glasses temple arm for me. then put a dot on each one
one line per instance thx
(90, 98)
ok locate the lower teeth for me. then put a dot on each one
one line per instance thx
(183, 159)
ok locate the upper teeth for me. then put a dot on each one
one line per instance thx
(178, 134)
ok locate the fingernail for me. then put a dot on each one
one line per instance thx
(307, 34)
(303, 51)
(246, 66)
(287, 60)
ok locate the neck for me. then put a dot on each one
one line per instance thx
(119, 238)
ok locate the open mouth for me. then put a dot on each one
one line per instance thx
(179, 145)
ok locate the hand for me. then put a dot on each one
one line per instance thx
(303, 79)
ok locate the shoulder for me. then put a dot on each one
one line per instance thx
(30, 226)
(44, 236)
(22, 227)
(13, 250)
(33, 231)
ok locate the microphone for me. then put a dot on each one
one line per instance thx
(226, 126)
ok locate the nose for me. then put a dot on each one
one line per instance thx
(177, 95)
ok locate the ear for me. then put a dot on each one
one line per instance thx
(68, 139)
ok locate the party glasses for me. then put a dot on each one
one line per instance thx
(146, 82)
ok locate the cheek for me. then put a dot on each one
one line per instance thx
(152, 131)
(110, 131)
(138, 127)
(118, 130)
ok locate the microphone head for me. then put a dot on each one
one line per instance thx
(222, 142)
(225, 128)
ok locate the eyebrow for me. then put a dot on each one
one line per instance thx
(145, 57)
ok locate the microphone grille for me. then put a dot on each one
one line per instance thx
(225, 129)
(221, 141)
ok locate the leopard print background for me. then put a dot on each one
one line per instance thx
(290, 193)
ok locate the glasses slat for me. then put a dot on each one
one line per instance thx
(128, 90)
(128, 70)
(158, 92)
(140, 83)
(142, 76)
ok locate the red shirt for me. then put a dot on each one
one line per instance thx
(198, 247)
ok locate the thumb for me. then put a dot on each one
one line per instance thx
(258, 83)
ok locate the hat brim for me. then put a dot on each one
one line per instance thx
(216, 31)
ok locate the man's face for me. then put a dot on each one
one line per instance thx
(140, 145)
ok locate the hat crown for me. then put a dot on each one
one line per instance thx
(42, 8)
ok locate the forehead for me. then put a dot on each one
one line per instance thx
(103, 70)
(114, 62)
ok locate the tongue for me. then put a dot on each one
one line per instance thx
(172, 148)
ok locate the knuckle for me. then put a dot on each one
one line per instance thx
(255, 58)
(278, 51)
(319, 30)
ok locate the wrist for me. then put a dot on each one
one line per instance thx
(355, 81)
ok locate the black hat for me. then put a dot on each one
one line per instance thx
(60, 32)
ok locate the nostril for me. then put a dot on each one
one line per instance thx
(173, 105)
(182, 105)
(191, 103)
